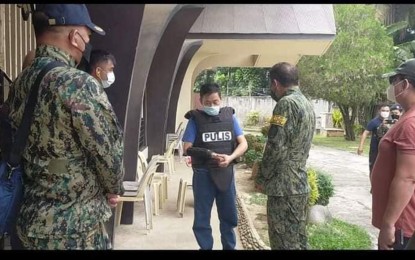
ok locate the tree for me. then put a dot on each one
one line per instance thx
(206, 76)
(236, 81)
(403, 50)
(350, 72)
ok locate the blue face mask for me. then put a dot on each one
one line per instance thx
(212, 111)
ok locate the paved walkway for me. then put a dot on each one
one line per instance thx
(169, 231)
(352, 201)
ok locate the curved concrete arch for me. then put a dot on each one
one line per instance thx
(162, 73)
(188, 50)
(155, 20)
(203, 61)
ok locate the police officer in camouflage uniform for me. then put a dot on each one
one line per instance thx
(282, 175)
(73, 158)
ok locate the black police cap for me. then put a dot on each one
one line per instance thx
(406, 68)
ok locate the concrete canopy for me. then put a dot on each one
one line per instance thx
(255, 35)
(266, 31)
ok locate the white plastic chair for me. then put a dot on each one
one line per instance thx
(159, 184)
(181, 196)
(170, 137)
(167, 158)
(139, 191)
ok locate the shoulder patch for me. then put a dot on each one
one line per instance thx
(278, 120)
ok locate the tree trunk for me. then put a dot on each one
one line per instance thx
(366, 113)
(348, 121)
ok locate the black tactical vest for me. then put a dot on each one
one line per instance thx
(217, 134)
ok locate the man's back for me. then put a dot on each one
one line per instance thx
(302, 130)
(288, 146)
(74, 150)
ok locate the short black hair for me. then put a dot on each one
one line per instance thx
(402, 77)
(209, 88)
(98, 56)
(284, 73)
(382, 105)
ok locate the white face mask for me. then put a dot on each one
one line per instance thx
(110, 80)
(390, 92)
(384, 114)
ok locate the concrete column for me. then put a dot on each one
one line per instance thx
(154, 22)
(188, 50)
(162, 74)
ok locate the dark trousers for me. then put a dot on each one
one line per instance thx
(15, 242)
(372, 159)
(205, 192)
(400, 240)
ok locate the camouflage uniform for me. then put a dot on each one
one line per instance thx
(382, 130)
(72, 159)
(283, 174)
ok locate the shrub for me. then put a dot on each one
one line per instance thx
(337, 118)
(250, 157)
(252, 141)
(358, 129)
(312, 181)
(325, 188)
(261, 139)
(265, 129)
(252, 118)
(258, 147)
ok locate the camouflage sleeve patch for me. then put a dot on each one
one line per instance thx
(278, 120)
(100, 134)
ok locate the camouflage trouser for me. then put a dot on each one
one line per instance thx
(96, 239)
(287, 220)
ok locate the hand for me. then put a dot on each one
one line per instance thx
(359, 151)
(223, 159)
(216, 156)
(386, 238)
(188, 161)
(112, 199)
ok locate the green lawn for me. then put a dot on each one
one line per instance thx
(332, 142)
(341, 143)
(336, 235)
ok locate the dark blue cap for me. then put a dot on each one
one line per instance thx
(396, 107)
(69, 14)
